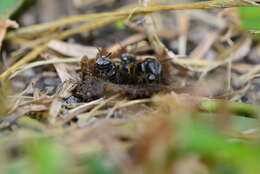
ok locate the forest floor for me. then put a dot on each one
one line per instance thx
(120, 86)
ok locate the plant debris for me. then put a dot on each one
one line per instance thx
(103, 76)
(119, 87)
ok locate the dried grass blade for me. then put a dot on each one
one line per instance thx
(136, 11)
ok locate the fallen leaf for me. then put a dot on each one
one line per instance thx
(73, 50)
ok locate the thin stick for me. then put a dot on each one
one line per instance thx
(120, 15)
(38, 50)
(137, 11)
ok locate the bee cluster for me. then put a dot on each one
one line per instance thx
(128, 76)
(128, 70)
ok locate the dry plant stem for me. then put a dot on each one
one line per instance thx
(228, 55)
(61, 68)
(90, 114)
(231, 52)
(151, 31)
(136, 11)
(161, 34)
(72, 113)
(130, 40)
(34, 53)
(204, 45)
(119, 16)
(188, 62)
(88, 27)
(123, 103)
(38, 50)
(251, 74)
(44, 62)
(23, 110)
(229, 76)
(183, 21)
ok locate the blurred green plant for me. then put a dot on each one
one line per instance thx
(208, 142)
(221, 153)
(250, 17)
(7, 7)
(98, 164)
(13, 8)
(46, 156)
(120, 25)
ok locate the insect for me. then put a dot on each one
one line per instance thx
(128, 76)
(150, 68)
(107, 69)
(127, 60)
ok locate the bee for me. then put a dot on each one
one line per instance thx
(128, 61)
(128, 77)
(107, 69)
(150, 68)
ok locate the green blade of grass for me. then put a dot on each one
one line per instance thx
(250, 17)
(46, 156)
(97, 164)
(207, 141)
(7, 7)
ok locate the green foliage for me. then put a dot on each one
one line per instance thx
(16, 168)
(222, 154)
(234, 107)
(205, 140)
(120, 25)
(97, 164)
(250, 17)
(7, 7)
(46, 157)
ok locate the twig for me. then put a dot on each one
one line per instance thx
(119, 15)
(137, 11)
(38, 50)
(27, 58)
(43, 62)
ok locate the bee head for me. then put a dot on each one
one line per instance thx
(104, 63)
(127, 58)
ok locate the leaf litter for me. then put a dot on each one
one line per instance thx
(206, 77)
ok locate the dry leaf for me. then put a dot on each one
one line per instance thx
(73, 50)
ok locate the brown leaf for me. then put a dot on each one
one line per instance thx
(74, 50)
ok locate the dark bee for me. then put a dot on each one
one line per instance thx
(150, 68)
(129, 77)
(127, 60)
(107, 69)
(127, 68)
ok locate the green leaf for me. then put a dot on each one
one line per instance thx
(120, 25)
(250, 17)
(16, 167)
(46, 156)
(207, 141)
(98, 164)
(7, 7)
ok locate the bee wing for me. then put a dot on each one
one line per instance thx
(85, 67)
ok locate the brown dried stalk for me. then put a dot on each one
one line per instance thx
(112, 17)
